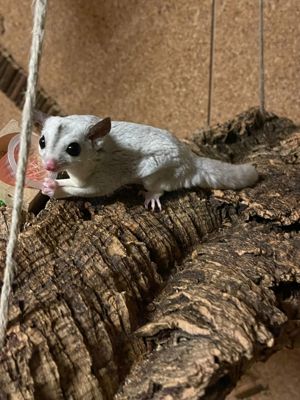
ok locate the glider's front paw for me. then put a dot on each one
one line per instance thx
(49, 187)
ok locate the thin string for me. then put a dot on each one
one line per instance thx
(26, 128)
(211, 60)
(261, 59)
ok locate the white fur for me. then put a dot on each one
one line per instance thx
(132, 153)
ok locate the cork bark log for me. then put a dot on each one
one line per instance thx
(13, 83)
(111, 298)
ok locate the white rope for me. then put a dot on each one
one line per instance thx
(26, 128)
(211, 60)
(261, 59)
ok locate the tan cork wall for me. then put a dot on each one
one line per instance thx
(147, 60)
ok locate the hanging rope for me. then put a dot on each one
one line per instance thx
(26, 128)
(261, 59)
(211, 60)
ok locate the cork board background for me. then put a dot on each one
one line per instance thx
(147, 60)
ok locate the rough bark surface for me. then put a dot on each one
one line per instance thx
(13, 83)
(185, 298)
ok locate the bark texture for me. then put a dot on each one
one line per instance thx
(177, 303)
(13, 83)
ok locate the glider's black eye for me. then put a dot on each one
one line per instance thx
(42, 142)
(73, 149)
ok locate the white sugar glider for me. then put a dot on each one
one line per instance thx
(101, 156)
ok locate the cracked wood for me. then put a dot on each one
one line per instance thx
(184, 298)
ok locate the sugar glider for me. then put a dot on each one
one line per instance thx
(101, 156)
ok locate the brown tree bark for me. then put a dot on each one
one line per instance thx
(186, 298)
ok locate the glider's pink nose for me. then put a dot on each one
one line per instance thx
(51, 165)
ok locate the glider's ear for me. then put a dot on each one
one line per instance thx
(100, 129)
(39, 118)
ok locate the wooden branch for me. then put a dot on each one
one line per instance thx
(13, 81)
(91, 274)
(219, 312)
